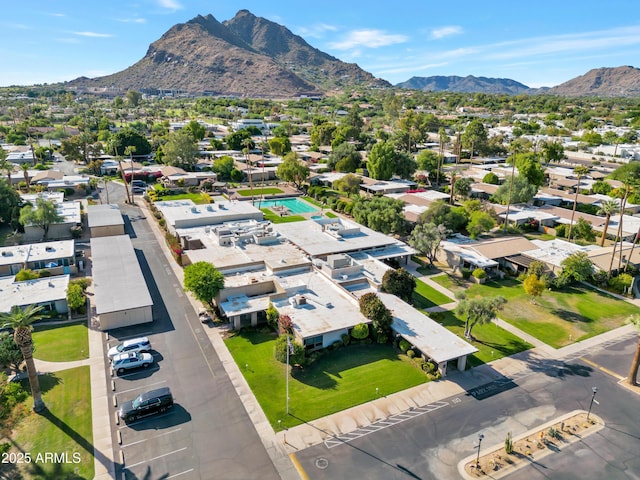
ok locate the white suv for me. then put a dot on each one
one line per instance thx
(127, 361)
(141, 344)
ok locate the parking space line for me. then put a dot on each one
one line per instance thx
(150, 438)
(181, 473)
(156, 458)
(143, 386)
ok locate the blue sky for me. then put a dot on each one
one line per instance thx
(540, 43)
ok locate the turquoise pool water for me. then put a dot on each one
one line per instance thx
(294, 205)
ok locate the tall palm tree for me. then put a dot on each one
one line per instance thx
(515, 148)
(607, 208)
(580, 171)
(20, 319)
(5, 165)
(635, 364)
(25, 172)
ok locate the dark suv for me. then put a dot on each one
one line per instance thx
(154, 401)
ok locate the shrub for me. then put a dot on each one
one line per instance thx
(479, 273)
(429, 367)
(44, 273)
(411, 353)
(345, 339)
(281, 350)
(337, 344)
(508, 444)
(360, 331)
(466, 273)
(404, 346)
(620, 283)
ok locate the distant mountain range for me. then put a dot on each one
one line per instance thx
(599, 82)
(254, 57)
(245, 56)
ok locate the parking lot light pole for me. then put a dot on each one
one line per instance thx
(593, 397)
(480, 437)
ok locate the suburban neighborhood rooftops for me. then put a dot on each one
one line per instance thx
(185, 213)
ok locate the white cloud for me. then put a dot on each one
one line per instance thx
(58, 14)
(368, 38)
(447, 31)
(170, 4)
(316, 31)
(132, 20)
(93, 34)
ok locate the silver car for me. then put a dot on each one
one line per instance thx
(126, 361)
(140, 344)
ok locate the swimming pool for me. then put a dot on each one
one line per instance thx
(294, 205)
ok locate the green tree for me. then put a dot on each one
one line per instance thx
(491, 178)
(10, 354)
(349, 184)
(629, 174)
(405, 165)
(279, 145)
(235, 140)
(180, 150)
(475, 137)
(196, 129)
(360, 331)
(76, 296)
(21, 320)
(441, 213)
(462, 188)
(129, 137)
(382, 214)
(272, 316)
(584, 231)
(426, 239)
(533, 286)
(282, 346)
(632, 379)
(223, 166)
(478, 310)
(375, 310)
(381, 161)
(78, 148)
(577, 267)
(480, 222)
(429, 162)
(579, 171)
(344, 158)
(529, 167)
(399, 283)
(43, 215)
(522, 191)
(204, 281)
(134, 97)
(292, 170)
(10, 203)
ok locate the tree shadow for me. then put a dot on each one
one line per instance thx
(47, 381)
(570, 316)
(555, 368)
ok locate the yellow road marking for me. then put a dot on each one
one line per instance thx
(604, 369)
(298, 467)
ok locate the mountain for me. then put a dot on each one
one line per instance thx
(468, 84)
(245, 56)
(602, 82)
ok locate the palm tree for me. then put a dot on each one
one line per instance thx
(20, 319)
(515, 147)
(5, 165)
(25, 172)
(633, 373)
(607, 208)
(248, 146)
(579, 171)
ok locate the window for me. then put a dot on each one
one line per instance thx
(313, 343)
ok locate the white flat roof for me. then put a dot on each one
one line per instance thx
(117, 277)
(40, 290)
(34, 252)
(427, 335)
(104, 215)
(311, 238)
(185, 213)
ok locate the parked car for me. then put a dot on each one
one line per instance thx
(204, 317)
(140, 344)
(154, 401)
(127, 361)
(139, 183)
(138, 190)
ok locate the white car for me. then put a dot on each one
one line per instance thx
(126, 361)
(141, 344)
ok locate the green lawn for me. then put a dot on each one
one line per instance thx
(61, 343)
(425, 296)
(197, 198)
(491, 341)
(331, 215)
(558, 318)
(259, 191)
(65, 427)
(340, 379)
(275, 218)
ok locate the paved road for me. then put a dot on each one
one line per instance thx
(429, 444)
(208, 434)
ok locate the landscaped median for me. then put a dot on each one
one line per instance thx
(500, 460)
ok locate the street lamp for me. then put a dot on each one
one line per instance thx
(593, 398)
(480, 437)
